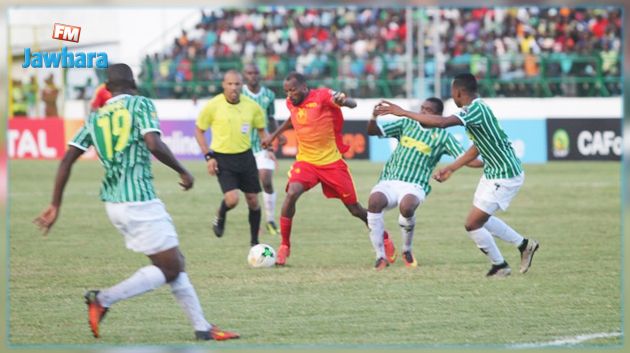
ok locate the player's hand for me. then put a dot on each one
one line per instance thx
(339, 98)
(282, 140)
(187, 181)
(443, 174)
(386, 107)
(375, 112)
(47, 218)
(213, 167)
(266, 142)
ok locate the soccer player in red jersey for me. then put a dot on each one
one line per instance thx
(317, 120)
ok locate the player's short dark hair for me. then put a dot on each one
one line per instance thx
(466, 81)
(120, 77)
(298, 77)
(437, 102)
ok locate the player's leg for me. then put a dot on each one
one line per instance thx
(485, 242)
(164, 268)
(249, 183)
(407, 222)
(377, 203)
(254, 217)
(358, 211)
(302, 177)
(147, 229)
(337, 182)
(501, 230)
(185, 294)
(486, 203)
(229, 201)
(269, 200)
(502, 194)
(266, 166)
(228, 178)
(294, 191)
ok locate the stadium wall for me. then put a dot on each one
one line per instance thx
(540, 129)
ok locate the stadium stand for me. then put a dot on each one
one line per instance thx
(514, 51)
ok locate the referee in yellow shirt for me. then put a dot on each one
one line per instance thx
(230, 116)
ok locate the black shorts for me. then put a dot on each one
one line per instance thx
(238, 171)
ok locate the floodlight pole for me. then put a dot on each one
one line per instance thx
(437, 55)
(421, 14)
(409, 52)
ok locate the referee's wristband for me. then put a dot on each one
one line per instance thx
(208, 156)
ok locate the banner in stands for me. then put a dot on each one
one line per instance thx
(36, 139)
(354, 135)
(526, 137)
(584, 139)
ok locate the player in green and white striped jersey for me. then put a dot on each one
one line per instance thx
(125, 132)
(503, 173)
(404, 181)
(265, 158)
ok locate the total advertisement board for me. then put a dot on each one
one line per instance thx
(35, 139)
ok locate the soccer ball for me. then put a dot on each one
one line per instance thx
(261, 255)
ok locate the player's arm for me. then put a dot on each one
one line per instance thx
(272, 125)
(469, 158)
(475, 163)
(386, 107)
(211, 162)
(48, 217)
(342, 100)
(161, 151)
(284, 127)
(263, 135)
(372, 128)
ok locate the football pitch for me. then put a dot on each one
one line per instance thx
(328, 294)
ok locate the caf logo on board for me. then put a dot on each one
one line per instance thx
(560, 142)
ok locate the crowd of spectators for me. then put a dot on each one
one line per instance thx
(567, 47)
(514, 51)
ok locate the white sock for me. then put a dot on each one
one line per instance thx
(144, 280)
(485, 242)
(377, 226)
(186, 296)
(499, 229)
(270, 205)
(406, 229)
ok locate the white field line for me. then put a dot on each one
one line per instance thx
(568, 341)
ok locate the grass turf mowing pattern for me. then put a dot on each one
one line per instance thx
(328, 293)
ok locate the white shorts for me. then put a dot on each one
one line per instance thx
(395, 190)
(494, 194)
(146, 226)
(263, 161)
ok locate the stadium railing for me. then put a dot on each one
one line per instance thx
(548, 75)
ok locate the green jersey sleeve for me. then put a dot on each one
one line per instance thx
(393, 129)
(453, 147)
(82, 139)
(471, 115)
(145, 115)
(271, 109)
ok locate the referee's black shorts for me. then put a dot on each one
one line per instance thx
(238, 171)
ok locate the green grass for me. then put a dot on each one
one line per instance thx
(328, 293)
